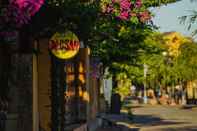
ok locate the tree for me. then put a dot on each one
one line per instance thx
(186, 62)
(190, 19)
(123, 85)
(116, 40)
(118, 43)
(152, 56)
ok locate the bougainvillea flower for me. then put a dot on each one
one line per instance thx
(29, 6)
(19, 12)
(124, 15)
(138, 4)
(125, 9)
(12, 16)
(125, 4)
(144, 16)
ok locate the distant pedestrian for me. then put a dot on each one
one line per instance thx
(178, 94)
(133, 90)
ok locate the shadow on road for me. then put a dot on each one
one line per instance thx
(145, 121)
(148, 120)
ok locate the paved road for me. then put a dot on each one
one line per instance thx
(159, 118)
(164, 118)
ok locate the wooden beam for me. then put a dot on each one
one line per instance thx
(35, 92)
(87, 66)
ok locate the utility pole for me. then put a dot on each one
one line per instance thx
(145, 74)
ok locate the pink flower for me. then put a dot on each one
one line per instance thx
(19, 12)
(124, 15)
(138, 3)
(127, 9)
(30, 6)
(125, 4)
(144, 16)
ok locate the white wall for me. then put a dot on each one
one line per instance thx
(107, 87)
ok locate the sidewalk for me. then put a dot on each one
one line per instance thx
(153, 118)
(118, 128)
(109, 129)
(116, 122)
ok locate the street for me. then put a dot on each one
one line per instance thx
(159, 118)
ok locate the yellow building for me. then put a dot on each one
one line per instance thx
(173, 41)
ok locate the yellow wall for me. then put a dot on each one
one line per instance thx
(192, 89)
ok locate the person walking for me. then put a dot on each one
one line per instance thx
(133, 90)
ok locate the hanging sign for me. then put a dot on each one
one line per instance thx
(64, 45)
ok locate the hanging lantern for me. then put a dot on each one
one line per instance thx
(64, 45)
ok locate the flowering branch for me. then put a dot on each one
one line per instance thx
(126, 9)
(18, 13)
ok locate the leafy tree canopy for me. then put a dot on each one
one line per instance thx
(187, 61)
(77, 15)
(155, 3)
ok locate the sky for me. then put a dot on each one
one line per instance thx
(167, 17)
